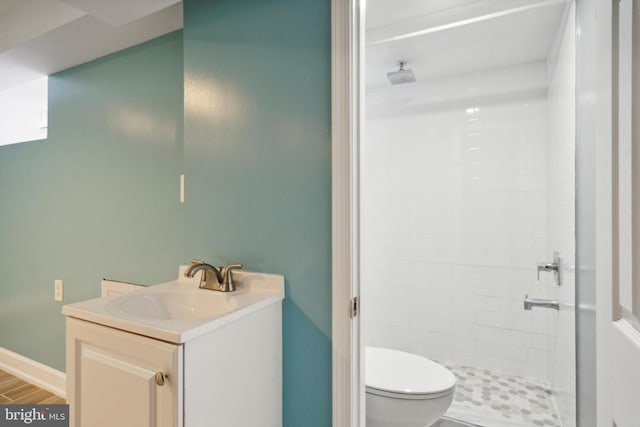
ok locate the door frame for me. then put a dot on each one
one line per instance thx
(586, 181)
(346, 97)
(595, 244)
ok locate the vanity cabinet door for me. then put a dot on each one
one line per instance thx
(113, 378)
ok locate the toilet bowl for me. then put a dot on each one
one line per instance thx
(404, 389)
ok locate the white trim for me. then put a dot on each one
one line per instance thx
(34, 372)
(345, 98)
(605, 224)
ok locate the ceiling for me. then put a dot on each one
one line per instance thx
(42, 37)
(445, 37)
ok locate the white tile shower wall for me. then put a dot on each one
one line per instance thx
(561, 216)
(453, 222)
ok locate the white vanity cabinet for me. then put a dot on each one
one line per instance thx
(112, 374)
(153, 359)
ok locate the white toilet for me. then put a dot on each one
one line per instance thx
(404, 389)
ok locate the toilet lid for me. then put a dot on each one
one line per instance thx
(399, 372)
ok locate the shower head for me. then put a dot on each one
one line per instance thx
(401, 76)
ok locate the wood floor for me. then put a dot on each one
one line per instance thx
(15, 390)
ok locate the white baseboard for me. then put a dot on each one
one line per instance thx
(34, 372)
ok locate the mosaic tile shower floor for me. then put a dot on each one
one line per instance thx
(491, 399)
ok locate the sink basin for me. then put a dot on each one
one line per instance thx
(179, 304)
(179, 311)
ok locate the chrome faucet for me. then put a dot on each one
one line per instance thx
(547, 266)
(555, 266)
(529, 303)
(223, 275)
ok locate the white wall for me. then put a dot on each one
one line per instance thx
(561, 216)
(454, 208)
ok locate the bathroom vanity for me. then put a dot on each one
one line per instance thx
(176, 355)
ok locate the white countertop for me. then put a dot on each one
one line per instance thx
(253, 292)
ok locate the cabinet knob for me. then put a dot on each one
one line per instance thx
(161, 377)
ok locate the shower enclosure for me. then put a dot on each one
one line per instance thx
(467, 200)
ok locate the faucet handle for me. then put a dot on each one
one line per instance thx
(226, 272)
(554, 266)
(196, 261)
(228, 277)
(546, 266)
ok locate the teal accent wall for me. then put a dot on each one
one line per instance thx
(250, 128)
(98, 199)
(257, 152)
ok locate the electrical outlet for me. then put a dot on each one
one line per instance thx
(58, 290)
